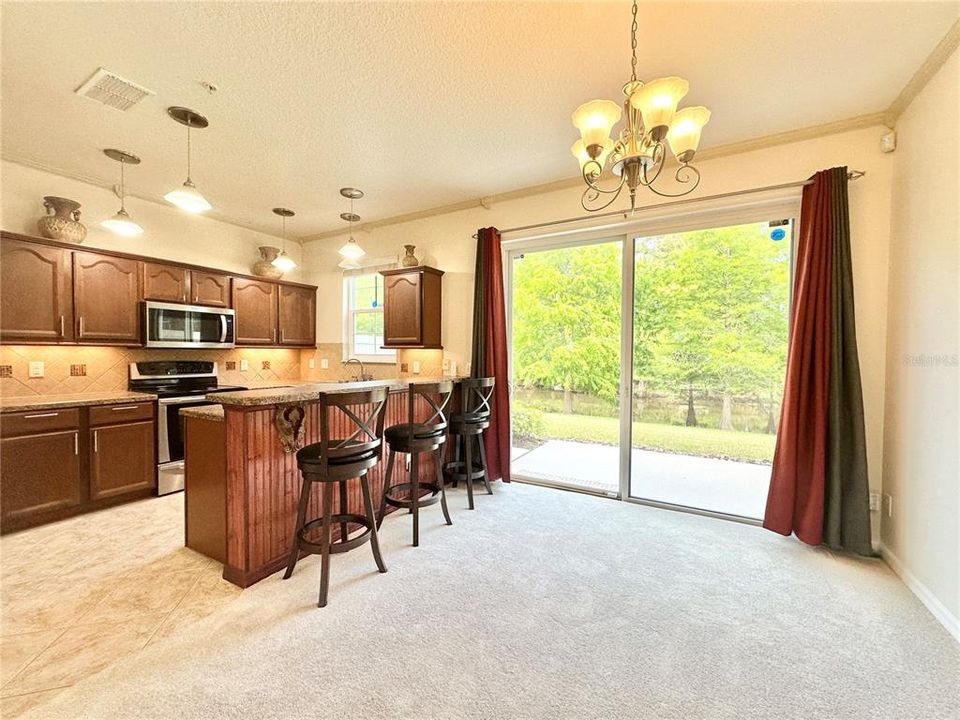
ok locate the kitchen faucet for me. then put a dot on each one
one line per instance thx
(362, 377)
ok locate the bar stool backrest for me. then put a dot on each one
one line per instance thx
(437, 396)
(476, 394)
(367, 431)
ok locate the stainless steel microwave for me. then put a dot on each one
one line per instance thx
(169, 325)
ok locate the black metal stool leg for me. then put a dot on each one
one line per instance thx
(456, 455)
(443, 492)
(386, 488)
(483, 459)
(301, 519)
(374, 541)
(325, 544)
(468, 467)
(415, 496)
(343, 508)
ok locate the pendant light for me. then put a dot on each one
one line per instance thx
(351, 250)
(283, 261)
(187, 197)
(121, 223)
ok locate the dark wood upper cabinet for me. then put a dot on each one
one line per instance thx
(106, 292)
(255, 303)
(122, 459)
(36, 303)
(167, 283)
(411, 307)
(209, 289)
(298, 316)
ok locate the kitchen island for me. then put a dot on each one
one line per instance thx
(242, 486)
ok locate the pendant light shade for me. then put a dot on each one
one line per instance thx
(348, 264)
(351, 250)
(284, 262)
(187, 197)
(122, 223)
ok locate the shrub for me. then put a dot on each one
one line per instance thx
(527, 423)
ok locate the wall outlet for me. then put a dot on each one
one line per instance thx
(875, 502)
(324, 364)
(446, 363)
(311, 363)
(888, 504)
(416, 367)
(244, 365)
(36, 368)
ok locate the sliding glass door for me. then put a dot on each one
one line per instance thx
(650, 366)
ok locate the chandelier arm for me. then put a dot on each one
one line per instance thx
(659, 160)
(591, 194)
(690, 172)
(591, 180)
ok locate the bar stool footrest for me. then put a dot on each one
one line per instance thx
(336, 546)
(456, 471)
(408, 502)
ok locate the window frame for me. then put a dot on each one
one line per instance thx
(387, 357)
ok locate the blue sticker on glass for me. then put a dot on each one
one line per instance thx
(373, 304)
(778, 234)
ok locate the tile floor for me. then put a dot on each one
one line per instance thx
(78, 595)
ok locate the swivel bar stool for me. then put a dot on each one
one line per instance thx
(466, 426)
(336, 460)
(415, 438)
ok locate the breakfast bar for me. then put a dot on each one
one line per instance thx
(242, 482)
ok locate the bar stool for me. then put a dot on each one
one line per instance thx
(467, 426)
(336, 460)
(415, 438)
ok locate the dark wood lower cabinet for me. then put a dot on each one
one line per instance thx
(58, 463)
(122, 459)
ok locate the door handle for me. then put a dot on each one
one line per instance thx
(39, 415)
(223, 328)
(96, 441)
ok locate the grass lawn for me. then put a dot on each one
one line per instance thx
(704, 442)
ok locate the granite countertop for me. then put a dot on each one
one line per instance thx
(310, 391)
(204, 412)
(15, 403)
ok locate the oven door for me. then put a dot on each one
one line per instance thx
(167, 325)
(170, 441)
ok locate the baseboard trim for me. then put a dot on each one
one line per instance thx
(930, 601)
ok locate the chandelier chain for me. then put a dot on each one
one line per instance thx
(633, 44)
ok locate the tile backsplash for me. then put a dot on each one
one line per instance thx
(75, 369)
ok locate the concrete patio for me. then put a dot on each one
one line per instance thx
(726, 486)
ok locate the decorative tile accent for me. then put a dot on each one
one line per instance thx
(266, 364)
(230, 365)
(78, 370)
(6, 371)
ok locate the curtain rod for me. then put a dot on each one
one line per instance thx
(852, 175)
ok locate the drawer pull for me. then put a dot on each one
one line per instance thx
(124, 407)
(40, 415)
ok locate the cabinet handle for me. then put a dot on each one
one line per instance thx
(274, 336)
(76, 443)
(124, 407)
(282, 334)
(96, 441)
(80, 333)
(40, 415)
(61, 326)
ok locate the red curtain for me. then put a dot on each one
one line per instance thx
(796, 497)
(490, 348)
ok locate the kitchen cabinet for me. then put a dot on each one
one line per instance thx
(255, 304)
(121, 459)
(40, 462)
(210, 289)
(36, 303)
(106, 294)
(297, 317)
(411, 307)
(165, 283)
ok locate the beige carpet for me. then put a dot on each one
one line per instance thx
(548, 604)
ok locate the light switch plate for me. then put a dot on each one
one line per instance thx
(324, 364)
(311, 363)
(416, 367)
(36, 368)
(244, 365)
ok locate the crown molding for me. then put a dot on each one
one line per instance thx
(935, 60)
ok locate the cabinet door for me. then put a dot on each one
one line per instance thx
(401, 309)
(122, 459)
(209, 289)
(298, 316)
(36, 304)
(255, 304)
(106, 294)
(166, 283)
(39, 473)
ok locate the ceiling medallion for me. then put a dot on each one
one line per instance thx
(639, 153)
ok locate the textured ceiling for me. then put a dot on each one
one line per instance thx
(420, 104)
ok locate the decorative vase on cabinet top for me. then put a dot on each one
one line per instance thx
(62, 221)
(409, 260)
(264, 267)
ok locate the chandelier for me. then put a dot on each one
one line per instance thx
(639, 153)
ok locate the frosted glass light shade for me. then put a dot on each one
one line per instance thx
(351, 250)
(348, 264)
(187, 197)
(579, 151)
(657, 102)
(684, 133)
(121, 224)
(595, 120)
(283, 262)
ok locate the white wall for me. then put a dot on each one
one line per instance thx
(921, 467)
(169, 233)
(445, 241)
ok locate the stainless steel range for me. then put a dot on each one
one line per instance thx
(178, 384)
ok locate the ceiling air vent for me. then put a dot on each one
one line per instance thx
(112, 90)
